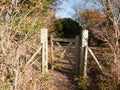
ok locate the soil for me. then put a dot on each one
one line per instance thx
(63, 74)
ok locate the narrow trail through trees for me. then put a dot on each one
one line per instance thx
(64, 73)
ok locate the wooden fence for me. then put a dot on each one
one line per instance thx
(75, 41)
(81, 50)
(44, 45)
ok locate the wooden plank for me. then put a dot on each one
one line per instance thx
(46, 50)
(43, 35)
(77, 47)
(61, 48)
(84, 51)
(33, 56)
(44, 44)
(52, 52)
(63, 54)
(64, 40)
(95, 58)
(85, 38)
(85, 62)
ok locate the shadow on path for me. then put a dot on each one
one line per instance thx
(64, 72)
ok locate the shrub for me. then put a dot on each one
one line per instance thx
(67, 28)
(83, 83)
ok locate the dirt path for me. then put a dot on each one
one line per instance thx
(63, 73)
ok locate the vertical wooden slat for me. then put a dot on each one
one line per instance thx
(46, 50)
(85, 61)
(84, 51)
(52, 52)
(77, 44)
(44, 43)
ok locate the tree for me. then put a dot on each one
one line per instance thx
(105, 25)
(23, 6)
(112, 11)
(67, 28)
(18, 36)
(111, 32)
(92, 17)
(19, 10)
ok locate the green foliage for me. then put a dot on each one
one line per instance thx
(66, 28)
(83, 83)
(102, 85)
(28, 27)
(58, 28)
(4, 88)
(27, 17)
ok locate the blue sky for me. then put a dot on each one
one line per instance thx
(67, 10)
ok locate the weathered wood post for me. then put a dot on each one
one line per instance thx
(77, 43)
(84, 51)
(52, 52)
(44, 43)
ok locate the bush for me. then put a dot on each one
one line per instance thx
(83, 83)
(67, 28)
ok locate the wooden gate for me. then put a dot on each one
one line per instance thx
(57, 42)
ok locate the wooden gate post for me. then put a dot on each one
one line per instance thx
(44, 43)
(52, 52)
(84, 51)
(77, 45)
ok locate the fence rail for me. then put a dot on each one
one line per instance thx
(75, 40)
(64, 40)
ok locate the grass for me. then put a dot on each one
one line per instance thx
(17, 45)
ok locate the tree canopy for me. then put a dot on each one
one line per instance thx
(23, 6)
(92, 17)
(67, 28)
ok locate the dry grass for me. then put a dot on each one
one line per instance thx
(99, 80)
(19, 41)
(15, 51)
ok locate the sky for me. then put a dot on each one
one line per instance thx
(67, 10)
